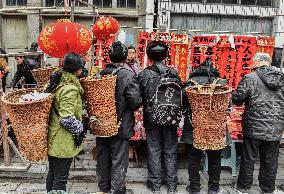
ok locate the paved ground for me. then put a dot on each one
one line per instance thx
(83, 177)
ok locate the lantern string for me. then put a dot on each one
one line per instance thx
(65, 6)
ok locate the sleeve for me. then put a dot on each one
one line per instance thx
(242, 93)
(16, 78)
(67, 107)
(132, 92)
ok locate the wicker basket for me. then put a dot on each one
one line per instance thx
(42, 75)
(100, 96)
(209, 106)
(30, 123)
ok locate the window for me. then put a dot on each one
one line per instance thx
(16, 2)
(51, 3)
(191, 1)
(264, 2)
(213, 1)
(126, 3)
(230, 1)
(248, 2)
(60, 3)
(103, 3)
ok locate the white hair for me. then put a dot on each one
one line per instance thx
(265, 57)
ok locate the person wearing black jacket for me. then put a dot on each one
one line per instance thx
(24, 68)
(262, 91)
(204, 74)
(35, 56)
(161, 140)
(112, 152)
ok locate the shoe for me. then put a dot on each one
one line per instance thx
(129, 191)
(212, 192)
(267, 193)
(171, 191)
(192, 192)
(153, 190)
(239, 190)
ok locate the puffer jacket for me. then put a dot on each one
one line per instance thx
(200, 75)
(127, 96)
(262, 91)
(148, 80)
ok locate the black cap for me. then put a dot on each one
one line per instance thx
(157, 50)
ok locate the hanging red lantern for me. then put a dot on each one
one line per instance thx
(114, 25)
(99, 29)
(104, 27)
(64, 36)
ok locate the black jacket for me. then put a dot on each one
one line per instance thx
(262, 91)
(128, 98)
(201, 76)
(147, 81)
(24, 70)
(35, 57)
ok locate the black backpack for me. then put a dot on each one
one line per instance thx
(166, 99)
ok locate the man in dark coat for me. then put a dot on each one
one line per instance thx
(262, 91)
(34, 49)
(112, 152)
(205, 74)
(160, 139)
(24, 68)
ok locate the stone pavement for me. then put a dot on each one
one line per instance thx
(83, 176)
(88, 188)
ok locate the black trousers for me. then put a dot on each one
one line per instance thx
(58, 173)
(162, 140)
(268, 152)
(194, 166)
(112, 163)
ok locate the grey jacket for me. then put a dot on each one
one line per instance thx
(262, 91)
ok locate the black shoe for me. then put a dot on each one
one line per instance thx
(239, 190)
(192, 192)
(212, 192)
(172, 191)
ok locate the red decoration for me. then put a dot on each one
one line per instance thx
(104, 27)
(64, 36)
(113, 24)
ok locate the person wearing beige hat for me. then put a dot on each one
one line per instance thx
(262, 91)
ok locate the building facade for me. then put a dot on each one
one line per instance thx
(228, 16)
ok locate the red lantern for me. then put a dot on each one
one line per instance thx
(99, 29)
(114, 25)
(104, 27)
(64, 36)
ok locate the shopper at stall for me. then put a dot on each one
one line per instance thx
(204, 74)
(131, 62)
(4, 69)
(65, 124)
(33, 49)
(23, 75)
(262, 91)
(161, 133)
(112, 152)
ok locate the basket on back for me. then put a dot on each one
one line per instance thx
(100, 96)
(209, 104)
(30, 123)
(42, 75)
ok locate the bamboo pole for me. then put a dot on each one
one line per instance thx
(21, 54)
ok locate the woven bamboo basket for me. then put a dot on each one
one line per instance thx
(209, 106)
(30, 123)
(100, 96)
(42, 75)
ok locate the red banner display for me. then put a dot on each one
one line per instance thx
(231, 55)
(178, 44)
(101, 51)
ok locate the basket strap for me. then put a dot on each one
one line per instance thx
(194, 82)
(216, 80)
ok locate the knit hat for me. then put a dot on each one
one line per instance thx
(118, 52)
(261, 59)
(157, 50)
(72, 62)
